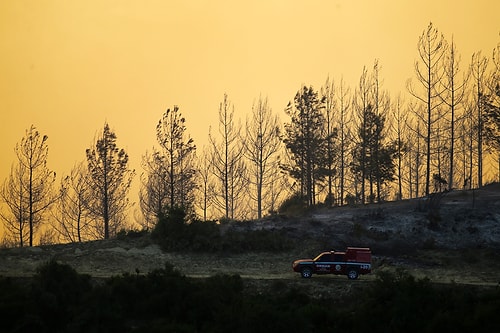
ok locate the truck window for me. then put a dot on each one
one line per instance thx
(324, 257)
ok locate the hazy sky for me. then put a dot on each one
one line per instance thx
(67, 66)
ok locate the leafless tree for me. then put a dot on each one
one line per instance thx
(399, 133)
(13, 195)
(415, 151)
(428, 69)
(28, 191)
(381, 105)
(361, 104)
(280, 188)
(261, 146)
(109, 183)
(478, 69)
(227, 162)
(344, 135)
(454, 90)
(71, 219)
(492, 108)
(494, 82)
(467, 129)
(154, 188)
(329, 98)
(205, 189)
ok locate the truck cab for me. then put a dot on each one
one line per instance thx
(352, 262)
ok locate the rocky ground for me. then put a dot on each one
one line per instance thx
(458, 243)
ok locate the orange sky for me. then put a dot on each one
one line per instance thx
(69, 66)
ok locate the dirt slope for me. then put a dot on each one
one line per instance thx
(460, 244)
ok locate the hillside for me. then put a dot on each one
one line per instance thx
(459, 243)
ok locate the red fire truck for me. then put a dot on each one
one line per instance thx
(352, 262)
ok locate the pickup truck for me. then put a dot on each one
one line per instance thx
(352, 262)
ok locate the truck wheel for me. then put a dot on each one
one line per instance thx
(306, 272)
(352, 274)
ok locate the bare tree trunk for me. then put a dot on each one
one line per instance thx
(328, 94)
(260, 147)
(344, 102)
(453, 97)
(362, 105)
(228, 166)
(431, 47)
(479, 64)
(28, 192)
(400, 119)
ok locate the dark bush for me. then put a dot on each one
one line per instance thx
(131, 234)
(203, 236)
(294, 205)
(59, 300)
(15, 306)
(174, 233)
(170, 229)
(57, 293)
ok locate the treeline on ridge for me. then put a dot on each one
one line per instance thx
(340, 145)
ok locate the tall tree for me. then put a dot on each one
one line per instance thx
(305, 140)
(261, 147)
(381, 104)
(362, 106)
(492, 107)
(28, 192)
(478, 68)
(178, 150)
(344, 135)
(109, 183)
(378, 157)
(71, 220)
(205, 189)
(154, 188)
(468, 134)
(227, 161)
(454, 89)
(331, 133)
(400, 138)
(416, 151)
(428, 69)
(13, 195)
(495, 79)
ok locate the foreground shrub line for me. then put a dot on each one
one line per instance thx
(58, 299)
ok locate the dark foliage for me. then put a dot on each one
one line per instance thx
(174, 232)
(131, 234)
(49, 304)
(58, 299)
(14, 301)
(294, 205)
